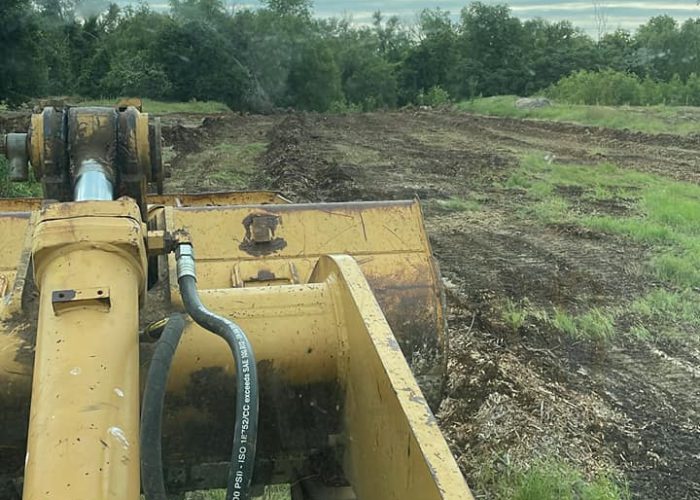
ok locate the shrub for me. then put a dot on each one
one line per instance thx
(615, 88)
(435, 97)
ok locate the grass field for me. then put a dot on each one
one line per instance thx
(661, 214)
(652, 119)
(549, 480)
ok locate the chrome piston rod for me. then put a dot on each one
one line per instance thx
(92, 183)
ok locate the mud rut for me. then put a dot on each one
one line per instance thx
(511, 398)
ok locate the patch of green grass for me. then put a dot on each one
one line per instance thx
(359, 155)
(665, 215)
(551, 481)
(164, 107)
(596, 325)
(9, 189)
(564, 322)
(225, 165)
(455, 204)
(681, 268)
(601, 193)
(277, 492)
(673, 314)
(554, 210)
(559, 482)
(651, 119)
(514, 314)
(640, 332)
(670, 221)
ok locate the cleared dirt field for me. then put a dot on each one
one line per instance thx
(515, 395)
(519, 391)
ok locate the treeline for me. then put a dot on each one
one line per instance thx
(280, 55)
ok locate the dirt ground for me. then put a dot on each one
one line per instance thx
(511, 397)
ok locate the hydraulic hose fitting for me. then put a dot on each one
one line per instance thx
(184, 255)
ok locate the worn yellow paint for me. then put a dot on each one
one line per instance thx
(290, 327)
(126, 102)
(12, 229)
(143, 148)
(83, 432)
(36, 144)
(20, 204)
(387, 239)
(17, 230)
(319, 321)
(218, 199)
(88, 122)
(395, 450)
(334, 330)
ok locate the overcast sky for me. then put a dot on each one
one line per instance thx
(628, 14)
(621, 13)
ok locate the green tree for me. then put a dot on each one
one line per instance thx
(689, 53)
(392, 39)
(301, 8)
(659, 49)
(199, 64)
(432, 62)
(135, 75)
(617, 51)
(211, 11)
(492, 49)
(554, 50)
(369, 81)
(22, 70)
(314, 81)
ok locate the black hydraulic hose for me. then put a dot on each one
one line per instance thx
(152, 409)
(245, 432)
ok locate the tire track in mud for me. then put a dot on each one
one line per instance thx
(660, 401)
(668, 155)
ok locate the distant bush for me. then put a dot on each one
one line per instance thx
(615, 88)
(435, 97)
(343, 108)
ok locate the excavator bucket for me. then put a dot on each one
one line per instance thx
(342, 304)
